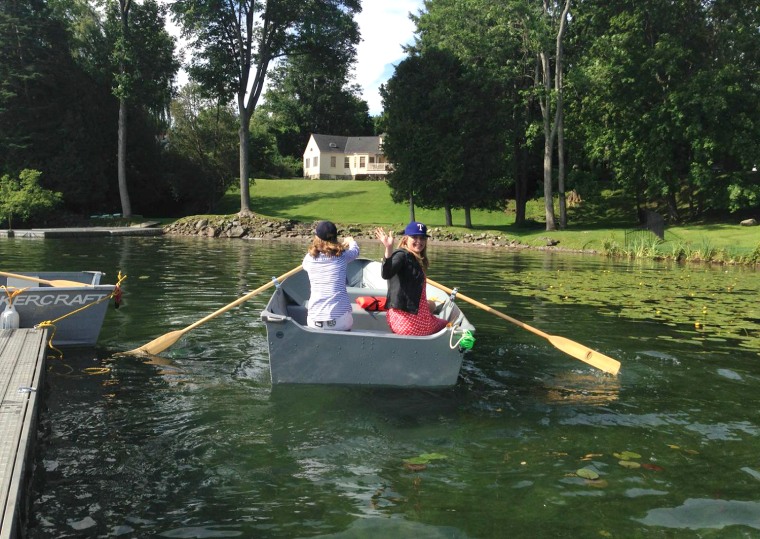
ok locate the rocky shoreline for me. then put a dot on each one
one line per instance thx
(255, 227)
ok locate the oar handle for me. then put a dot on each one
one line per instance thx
(159, 344)
(242, 299)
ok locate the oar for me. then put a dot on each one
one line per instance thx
(577, 350)
(61, 283)
(158, 345)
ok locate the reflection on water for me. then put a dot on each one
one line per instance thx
(196, 443)
(580, 389)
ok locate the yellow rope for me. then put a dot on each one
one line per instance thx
(51, 323)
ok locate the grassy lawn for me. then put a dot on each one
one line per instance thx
(595, 224)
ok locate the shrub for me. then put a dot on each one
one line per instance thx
(25, 198)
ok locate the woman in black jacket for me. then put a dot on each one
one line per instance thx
(404, 269)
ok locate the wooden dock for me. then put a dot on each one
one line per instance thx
(22, 361)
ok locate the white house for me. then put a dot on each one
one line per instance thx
(344, 158)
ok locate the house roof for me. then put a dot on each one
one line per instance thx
(347, 145)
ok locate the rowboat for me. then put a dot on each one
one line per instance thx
(370, 354)
(74, 303)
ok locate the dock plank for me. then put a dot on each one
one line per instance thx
(22, 359)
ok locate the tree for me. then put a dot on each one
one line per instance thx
(238, 42)
(442, 135)
(24, 197)
(554, 129)
(495, 41)
(667, 98)
(311, 94)
(143, 53)
(205, 133)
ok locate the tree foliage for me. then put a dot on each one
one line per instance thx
(23, 197)
(311, 94)
(667, 97)
(441, 136)
(236, 43)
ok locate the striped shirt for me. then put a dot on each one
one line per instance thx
(327, 276)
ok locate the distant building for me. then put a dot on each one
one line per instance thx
(331, 157)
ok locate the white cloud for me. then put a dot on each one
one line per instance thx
(385, 27)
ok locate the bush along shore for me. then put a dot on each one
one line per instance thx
(256, 227)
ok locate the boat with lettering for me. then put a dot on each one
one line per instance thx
(370, 354)
(72, 305)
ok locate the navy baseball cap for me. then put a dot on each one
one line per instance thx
(416, 229)
(326, 231)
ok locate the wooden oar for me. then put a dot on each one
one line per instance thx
(61, 283)
(158, 345)
(577, 350)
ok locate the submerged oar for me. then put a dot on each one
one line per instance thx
(577, 350)
(61, 283)
(158, 345)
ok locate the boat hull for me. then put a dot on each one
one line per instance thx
(76, 313)
(370, 354)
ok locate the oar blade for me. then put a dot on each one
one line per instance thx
(159, 344)
(586, 354)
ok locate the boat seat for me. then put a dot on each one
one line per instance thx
(363, 320)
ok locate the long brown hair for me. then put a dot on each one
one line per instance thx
(328, 248)
(421, 258)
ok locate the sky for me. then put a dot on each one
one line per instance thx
(385, 27)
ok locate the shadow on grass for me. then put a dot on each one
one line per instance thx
(281, 207)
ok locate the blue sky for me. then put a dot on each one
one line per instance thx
(385, 28)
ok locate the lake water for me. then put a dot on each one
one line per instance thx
(529, 443)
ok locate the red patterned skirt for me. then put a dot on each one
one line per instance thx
(422, 323)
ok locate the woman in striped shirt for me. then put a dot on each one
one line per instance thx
(326, 262)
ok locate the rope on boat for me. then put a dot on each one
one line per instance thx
(465, 342)
(116, 293)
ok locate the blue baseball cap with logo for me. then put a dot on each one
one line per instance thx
(416, 229)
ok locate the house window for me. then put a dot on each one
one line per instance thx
(362, 162)
(371, 159)
(306, 163)
(346, 163)
(333, 161)
(316, 162)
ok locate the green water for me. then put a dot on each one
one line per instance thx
(198, 444)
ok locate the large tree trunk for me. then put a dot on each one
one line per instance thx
(245, 196)
(121, 158)
(467, 217)
(411, 208)
(126, 206)
(447, 212)
(549, 134)
(558, 86)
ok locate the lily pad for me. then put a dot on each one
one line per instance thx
(626, 455)
(433, 456)
(587, 473)
(632, 464)
(425, 458)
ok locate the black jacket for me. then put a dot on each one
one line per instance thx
(405, 281)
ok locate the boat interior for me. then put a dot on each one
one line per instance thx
(362, 279)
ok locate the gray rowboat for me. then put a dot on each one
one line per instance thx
(370, 354)
(41, 303)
